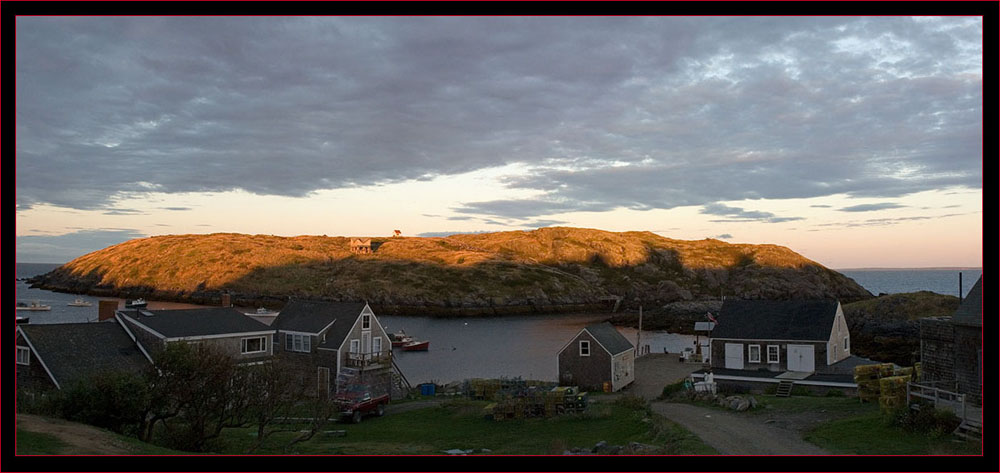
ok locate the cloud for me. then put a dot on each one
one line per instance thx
(65, 247)
(604, 113)
(872, 207)
(724, 236)
(878, 222)
(821, 206)
(444, 234)
(117, 211)
(176, 209)
(739, 215)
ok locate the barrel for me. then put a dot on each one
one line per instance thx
(427, 389)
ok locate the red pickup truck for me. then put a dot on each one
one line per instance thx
(355, 405)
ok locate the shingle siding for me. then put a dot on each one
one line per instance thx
(588, 372)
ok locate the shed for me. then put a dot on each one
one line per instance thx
(359, 245)
(951, 348)
(596, 357)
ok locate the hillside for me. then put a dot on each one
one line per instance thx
(506, 272)
(887, 328)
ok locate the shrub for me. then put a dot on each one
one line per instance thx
(927, 419)
(631, 401)
(835, 393)
(671, 389)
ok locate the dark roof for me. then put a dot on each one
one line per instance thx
(609, 337)
(313, 316)
(776, 320)
(971, 310)
(74, 352)
(196, 322)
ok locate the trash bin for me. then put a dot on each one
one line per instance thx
(427, 389)
(607, 387)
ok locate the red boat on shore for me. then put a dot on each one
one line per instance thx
(417, 346)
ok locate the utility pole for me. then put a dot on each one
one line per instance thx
(638, 335)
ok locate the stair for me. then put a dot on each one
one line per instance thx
(784, 389)
(970, 430)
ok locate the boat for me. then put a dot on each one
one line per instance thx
(35, 305)
(262, 312)
(400, 338)
(21, 320)
(80, 303)
(417, 346)
(139, 303)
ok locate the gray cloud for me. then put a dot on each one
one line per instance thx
(737, 214)
(872, 207)
(117, 211)
(724, 236)
(877, 222)
(821, 206)
(176, 209)
(444, 234)
(63, 248)
(607, 113)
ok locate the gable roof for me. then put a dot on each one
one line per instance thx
(313, 316)
(342, 327)
(609, 337)
(196, 322)
(73, 352)
(776, 320)
(971, 310)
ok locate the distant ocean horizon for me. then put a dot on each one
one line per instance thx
(875, 280)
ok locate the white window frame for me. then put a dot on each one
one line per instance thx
(355, 345)
(23, 359)
(584, 347)
(777, 354)
(377, 341)
(366, 322)
(298, 342)
(750, 357)
(243, 345)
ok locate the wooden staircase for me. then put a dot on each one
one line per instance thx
(784, 389)
(969, 429)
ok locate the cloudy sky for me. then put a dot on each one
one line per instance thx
(854, 141)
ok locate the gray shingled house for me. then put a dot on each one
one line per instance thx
(55, 356)
(334, 345)
(596, 357)
(780, 335)
(951, 348)
(224, 328)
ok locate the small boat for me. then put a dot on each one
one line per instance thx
(263, 312)
(21, 320)
(32, 306)
(398, 342)
(417, 346)
(80, 303)
(139, 303)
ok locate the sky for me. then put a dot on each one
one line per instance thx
(855, 141)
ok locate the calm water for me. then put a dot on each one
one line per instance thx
(941, 281)
(523, 346)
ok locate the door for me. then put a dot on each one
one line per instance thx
(366, 342)
(323, 382)
(734, 356)
(801, 358)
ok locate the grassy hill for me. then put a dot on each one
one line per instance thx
(505, 272)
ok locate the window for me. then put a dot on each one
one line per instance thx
(355, 346)
(366, 322)
(754, 354)
(297, 342)
(584, 347)
(772, 353)
(377, 345)
(23, 356)
(254, 345)
(846, 348)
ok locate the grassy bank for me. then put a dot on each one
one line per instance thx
(869, 434)
(463, 425)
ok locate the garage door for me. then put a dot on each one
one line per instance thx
(734, 356)
(801, 358)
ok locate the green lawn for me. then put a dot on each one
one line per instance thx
(869, 435)
(36, 443)
(462, 425)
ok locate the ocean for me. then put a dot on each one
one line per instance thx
(894, 281)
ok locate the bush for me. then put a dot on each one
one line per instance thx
(927, 419)
(835, 393)
(631, 401)
(671, 389)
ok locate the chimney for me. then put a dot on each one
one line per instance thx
(106, 310)
(960, 293)
(227, 300)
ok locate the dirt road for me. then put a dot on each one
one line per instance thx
(735, 435)
(80, 439)
(654, 371)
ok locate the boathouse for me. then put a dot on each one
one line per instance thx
(951, 348)
(598, 358)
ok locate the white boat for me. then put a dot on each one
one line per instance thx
(35, 305)
(263, 312)
(80, 303)
(139, 303)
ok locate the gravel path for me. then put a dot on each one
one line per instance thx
(735, 435)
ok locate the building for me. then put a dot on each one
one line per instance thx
(761, 342)
(597, 358)
(222, 328)
(363, 246)
(951, 348)
(55, 356)
(334, 345)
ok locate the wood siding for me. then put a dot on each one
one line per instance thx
(31, 378)
(719, 354)
(837, 335)
(588, 372)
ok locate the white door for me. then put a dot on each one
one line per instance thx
(366, 342)
(734, 356)
(801, 358)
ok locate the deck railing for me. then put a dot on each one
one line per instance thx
(368, 360)
(942, 399)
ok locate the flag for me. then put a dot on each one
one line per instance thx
(709, 314)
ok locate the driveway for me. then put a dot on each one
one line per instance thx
(654, 371)
(736, 435)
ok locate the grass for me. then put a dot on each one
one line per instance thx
(869, 434)
(37, 443)
(463, 425)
